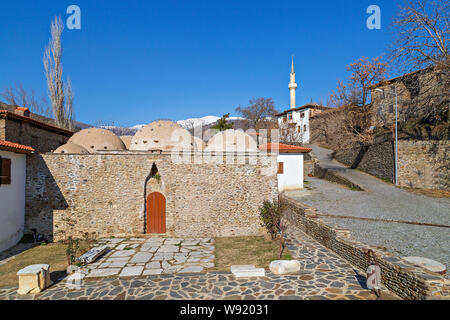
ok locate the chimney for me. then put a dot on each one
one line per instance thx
(21, 111)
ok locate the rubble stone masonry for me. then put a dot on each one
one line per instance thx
(424, 164)
(105, 194)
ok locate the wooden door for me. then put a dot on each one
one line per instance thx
(156, 213)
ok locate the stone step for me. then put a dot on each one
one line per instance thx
(245, 271)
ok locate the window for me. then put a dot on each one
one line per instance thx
(304, 128)
(280, 167)
(289, 116)
(302, 115)
(5, 171)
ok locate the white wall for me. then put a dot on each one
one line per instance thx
(292, 178)
(299, 121)
(12, 202)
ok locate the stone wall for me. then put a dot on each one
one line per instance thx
(424, 164)
(377, 159)
(41, 139)
(404, 279)
(308, 164)
(105, 193)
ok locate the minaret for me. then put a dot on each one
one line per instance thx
(292, 85)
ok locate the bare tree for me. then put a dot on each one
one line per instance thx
(421, 31)
(259, 111)
(19, 96)
(61, 95)
(422, 45)
(356, 91)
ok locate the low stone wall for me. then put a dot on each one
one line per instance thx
(326, 174)
(424, 164)
(106, 193)
(404, 279)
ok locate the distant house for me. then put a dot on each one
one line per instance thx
(12, 192)
(290, 164)
(21, 128)
(298, 118)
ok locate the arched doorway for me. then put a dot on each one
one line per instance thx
(156, 213)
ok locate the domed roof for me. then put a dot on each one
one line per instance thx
(163, 135)
(126, 141)
(93, 139)
(70, 147)
(232, 140)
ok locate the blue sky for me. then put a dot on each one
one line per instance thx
(137, 61)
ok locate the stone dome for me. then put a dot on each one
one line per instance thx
(93, 139)
(232, 140)
(126, 141)
(163, 135)
(71, 148)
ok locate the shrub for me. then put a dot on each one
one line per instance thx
(270, 213)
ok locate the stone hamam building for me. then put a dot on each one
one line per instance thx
(162, 184)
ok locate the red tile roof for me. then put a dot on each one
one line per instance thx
(283, 148)
(14, 147)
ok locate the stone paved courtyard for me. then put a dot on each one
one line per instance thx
(323, 275)
(139, 256)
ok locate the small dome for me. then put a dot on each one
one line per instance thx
(126, 141)
(93, 139)
(71, 148)
(163, 135)
(232, 140)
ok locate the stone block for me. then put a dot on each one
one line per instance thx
(284, 266)
(93, 254)
(34, 279)
(245, 271)
(427, 264)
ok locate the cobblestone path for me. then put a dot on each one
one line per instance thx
(323, 276)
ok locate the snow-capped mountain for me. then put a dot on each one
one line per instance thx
(187, 124)
(204, 121)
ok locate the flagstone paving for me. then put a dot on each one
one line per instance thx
(140, 256)
(323, 275)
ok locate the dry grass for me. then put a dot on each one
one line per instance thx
(433, 193)
(53, 254)
(246, 250)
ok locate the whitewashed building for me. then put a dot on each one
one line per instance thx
(12, 192)
(290, 164)
(294, 122)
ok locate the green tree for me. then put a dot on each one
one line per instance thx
(223, 124)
